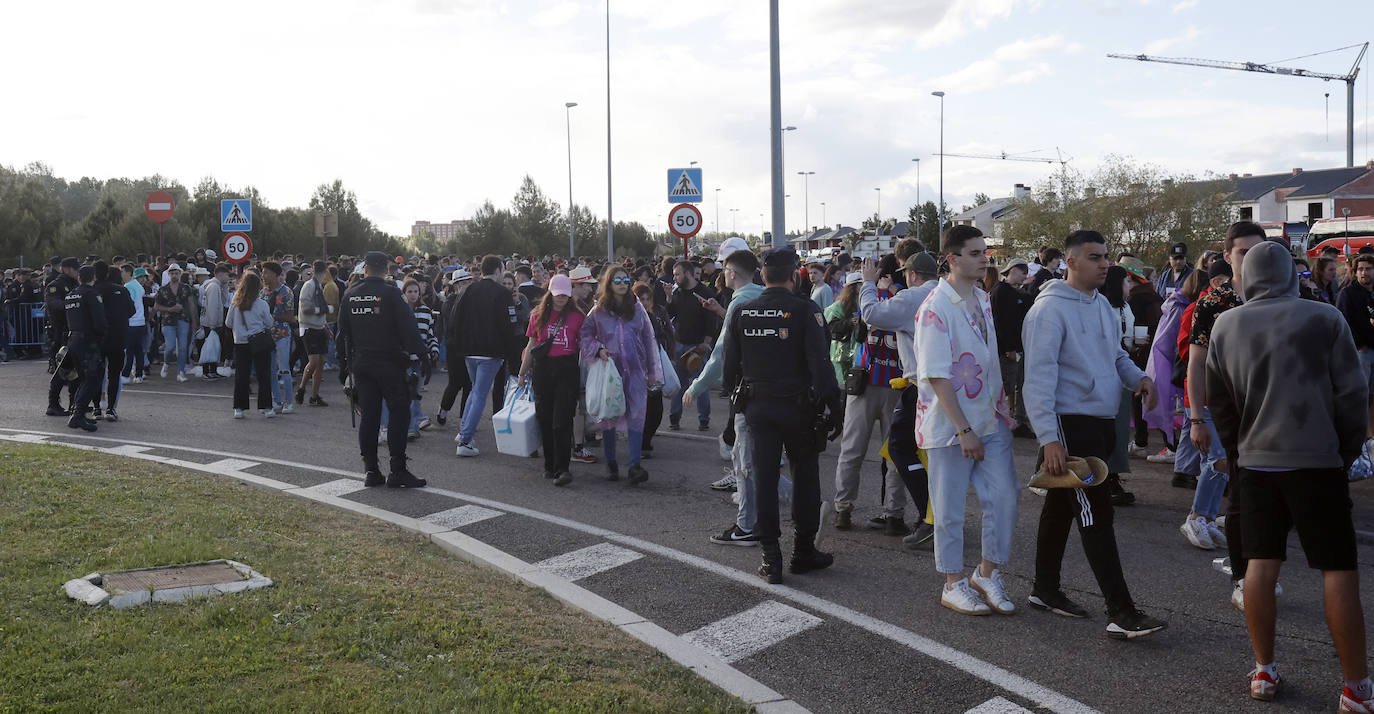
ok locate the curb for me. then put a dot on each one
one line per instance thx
(702, 663)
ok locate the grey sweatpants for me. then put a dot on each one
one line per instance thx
(861, 413)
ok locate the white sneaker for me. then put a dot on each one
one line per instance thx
(125, 380)
(727, 482)
(1238, 594)
(138, 380)
(961, 598)
(238, 413)
(1165, 456)
(1195, 530)
(381, 436)
(277, 409)
(287, 408)
(467, 450)
(164, 370)
(1216, 534)
(734, 498)
(994, 591)
(1137, 452)
(424, 424)
(268, 413)
(181, 376)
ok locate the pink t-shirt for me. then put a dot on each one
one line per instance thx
(565, 342)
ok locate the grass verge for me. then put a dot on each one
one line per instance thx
(364, 616)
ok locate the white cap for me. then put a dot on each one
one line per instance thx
(173, 266)
(731, 244)
(460, 275)
(210, 254)
(854, 277)
(200, 270)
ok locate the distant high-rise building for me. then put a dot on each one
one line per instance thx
(441, 231)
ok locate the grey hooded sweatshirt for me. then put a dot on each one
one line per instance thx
(1074, 360)
(1284, 381)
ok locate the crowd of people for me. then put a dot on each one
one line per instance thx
(945, 355)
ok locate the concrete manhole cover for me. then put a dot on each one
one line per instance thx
(172, 583)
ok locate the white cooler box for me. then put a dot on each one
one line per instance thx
(517, 429)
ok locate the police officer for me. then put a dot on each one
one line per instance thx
(55, 307)
(380, 348)
(778, 351)
(85, 317)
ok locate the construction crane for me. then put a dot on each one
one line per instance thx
(1348, 78)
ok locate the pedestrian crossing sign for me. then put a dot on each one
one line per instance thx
(236, 214)
(684, 186)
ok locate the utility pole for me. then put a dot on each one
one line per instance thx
(567, 114)
(775, 125)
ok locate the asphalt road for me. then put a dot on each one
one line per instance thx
(866, 635)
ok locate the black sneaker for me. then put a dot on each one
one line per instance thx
(612, 471)
(674, 425)
(57, 410)
(1118, 495)
(895, 526)
(97, 414)
(317, 402)
(734, 536)
(374, 478)
(1057, 603)
(111, 414)
(80, 422)
(404, 479)
(923, 534)
(704, 426)
(637, 475)
(549, 475)
(843, 520)
(1182, 480)
(1131, 624)
(563, 479)
(441, 417)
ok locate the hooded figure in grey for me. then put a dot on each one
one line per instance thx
(1284, 381)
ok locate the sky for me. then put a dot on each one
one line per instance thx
(428, 108)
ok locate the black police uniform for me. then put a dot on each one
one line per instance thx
(380, 338)
(54, 307)
(119, 307)
(778, 350)
(85, 317)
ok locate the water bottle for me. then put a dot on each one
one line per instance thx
(1222, 565)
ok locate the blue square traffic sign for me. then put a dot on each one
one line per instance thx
(236, 214)
(684, 186)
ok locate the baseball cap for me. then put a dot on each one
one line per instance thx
(173, 266)
(731, 244)
(71, 263)
(854, 277)
(581, 274)
(779, 258)
(1015, 262)
(200, 270)
(376, 259)
(460, 274)
(923, 263)
(560, 285)
(210, 254)
(1220, 268)
(1178, 250)
(140, 272)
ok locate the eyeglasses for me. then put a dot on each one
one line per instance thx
(621, 281)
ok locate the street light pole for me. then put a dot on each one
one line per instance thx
(567, 114)
(733, 214)
(806, 199)
(717, 212)
(1346, 212)
(880, 210)
(775, 125)
(941, 210)
(823, 221)
(610, 219)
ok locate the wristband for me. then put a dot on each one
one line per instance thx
(965, 430)
(1197, 421)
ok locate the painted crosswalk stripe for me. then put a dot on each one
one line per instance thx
(753, 630)
(127, 449)
(461, 516)
(232, 465)
(589, 561)
(998, 705)
(340, 487)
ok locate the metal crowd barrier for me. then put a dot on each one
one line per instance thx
(27, 328)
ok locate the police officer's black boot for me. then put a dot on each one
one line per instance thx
(805, 557)
(79, 421)
(771, 569)
(374, 475)
(401, 477)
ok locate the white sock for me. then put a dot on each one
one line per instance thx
(1363, 689)
(1269, 669)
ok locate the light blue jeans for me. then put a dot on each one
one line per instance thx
(176, 337)
(1211, 483)
(635, 439)
(994, 480)
(741, 456)
(281, 359)
(416, 414)
(482, 371)
(1187, 460)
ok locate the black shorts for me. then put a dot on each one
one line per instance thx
(1315, 501)
(316, 341)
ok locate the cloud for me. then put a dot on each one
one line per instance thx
(555, 15)
(1183, 5)
(1015, 63)
(1162, 44)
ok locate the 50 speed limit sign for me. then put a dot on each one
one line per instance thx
(237, 247)
(684, 220)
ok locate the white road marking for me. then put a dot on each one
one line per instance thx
(126, 449)
(986, 671)
(340, 487)
(998, 705)
(586, 562)
(29, 438)
(231, 465)
(127, 391)
(756, 629)
(455, 518)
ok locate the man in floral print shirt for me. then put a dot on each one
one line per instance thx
(282, 303)
(963, 422)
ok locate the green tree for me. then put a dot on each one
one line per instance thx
(540, 227)
(927, 217)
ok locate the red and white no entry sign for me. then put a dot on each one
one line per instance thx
(158, 206)
(237, 247)
(684, 220)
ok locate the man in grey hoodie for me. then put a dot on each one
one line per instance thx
(1074, 364)
(1288, 405)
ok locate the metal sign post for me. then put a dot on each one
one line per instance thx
(326, 227)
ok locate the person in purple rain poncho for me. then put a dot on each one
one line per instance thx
(1167, 416)
(618, 329)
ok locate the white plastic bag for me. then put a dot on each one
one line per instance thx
(1362, 468)
(671, 385)
(210, 351)
(605, 391)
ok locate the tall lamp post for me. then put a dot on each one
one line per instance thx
(880, 211)
(1346, 212)
(806, 199)
(567, 114)
(733, 214)
(717, 212)
(919, 210)
(610, 219)
(941, 210)
(823, 221)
